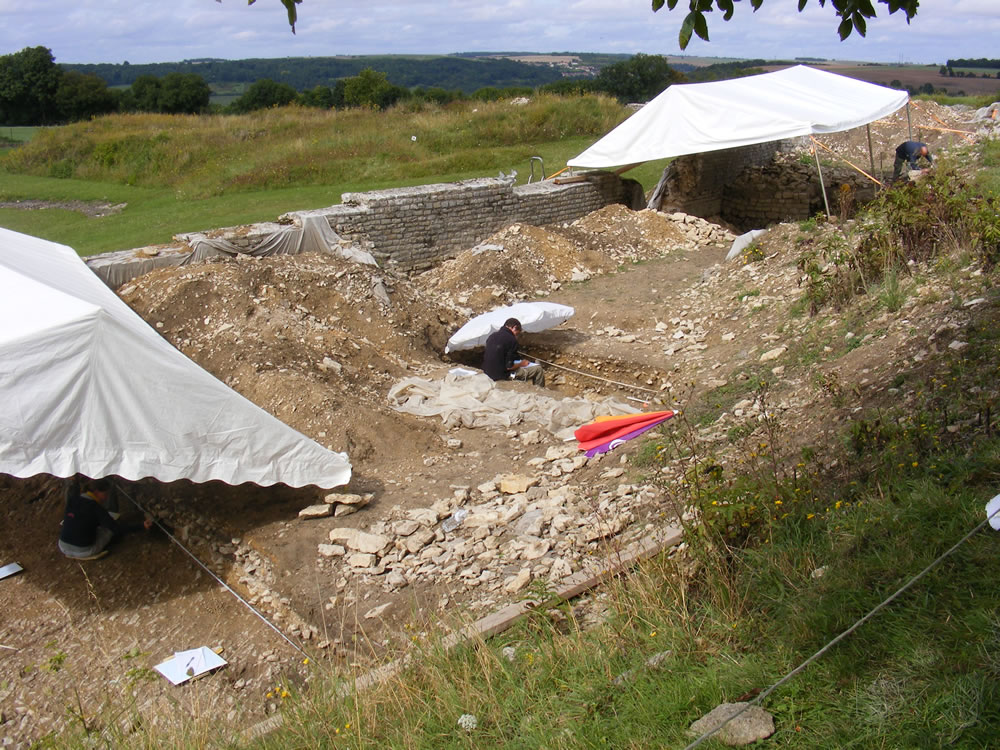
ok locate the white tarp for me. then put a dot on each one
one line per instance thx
(476, 401)
(87, 386)
(533, 316)
(695, 117)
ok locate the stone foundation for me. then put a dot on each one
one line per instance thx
(405, 229)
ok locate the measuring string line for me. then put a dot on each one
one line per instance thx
(222, 583)
(839, 638)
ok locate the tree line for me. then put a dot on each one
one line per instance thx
(303, 73)
(978, 62)
(34, 90)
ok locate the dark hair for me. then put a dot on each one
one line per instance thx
(102, 485)
(512, 323)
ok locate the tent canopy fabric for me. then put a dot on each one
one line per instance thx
(88, 387)
(695, 117)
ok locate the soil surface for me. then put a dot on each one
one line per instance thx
(661, 318)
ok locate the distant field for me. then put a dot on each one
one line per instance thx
(916, 76)
(17, 134)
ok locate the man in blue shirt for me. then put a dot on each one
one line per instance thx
(909, 151)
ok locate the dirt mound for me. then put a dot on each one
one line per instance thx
(518, 262)
(930, 122)
(524, 261)
(313, 339)
(627, 235)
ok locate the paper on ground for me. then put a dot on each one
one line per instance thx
(992, 508)
(184, 665)
(8, 570)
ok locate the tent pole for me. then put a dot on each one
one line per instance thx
(871, 152)
(822, 187)
(909, 125)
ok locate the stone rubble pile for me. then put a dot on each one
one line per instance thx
(499, 535)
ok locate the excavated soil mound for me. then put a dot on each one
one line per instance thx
(313, 339)
(931, 123)
(627, 235)
(517, 262)
(524, 261)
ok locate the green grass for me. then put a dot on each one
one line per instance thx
(17, 134)
(181, 174)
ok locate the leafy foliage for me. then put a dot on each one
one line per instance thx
(853, 14)
(638, 79)
(264, 94)
(29, 80)
(289, 6)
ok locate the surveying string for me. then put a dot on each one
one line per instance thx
(596, 377)
(842, 636)
(222, 583)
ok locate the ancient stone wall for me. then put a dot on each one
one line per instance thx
(755, 186)
(789, 190)
(415, 228)
(407, 229)
(695, 182)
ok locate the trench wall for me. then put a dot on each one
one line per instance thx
(755, 186)
(789, 190)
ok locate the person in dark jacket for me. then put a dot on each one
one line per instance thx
(909, 151)
(501, 360)
(89, 522)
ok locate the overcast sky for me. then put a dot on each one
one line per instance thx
(89, 31)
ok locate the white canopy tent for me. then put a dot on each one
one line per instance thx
(88, 387)
(696, 117)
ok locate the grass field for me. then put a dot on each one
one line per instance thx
(20, 134)
(181, 174)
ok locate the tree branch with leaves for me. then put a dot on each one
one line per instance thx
(290, 7)
(853, 14)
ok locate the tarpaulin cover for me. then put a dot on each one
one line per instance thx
(476, 401)
(88, 387)
(605, 429)
(533, 316)
(695, 117)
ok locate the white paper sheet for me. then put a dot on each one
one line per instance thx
(8, 570)
(184, 665)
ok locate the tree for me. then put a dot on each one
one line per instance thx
(81, 96)
(29, 80)
(853, 14)
(183, 93)
(142, 96)
(637, 79)
(371, 89)
(264, 94)
(318, 96)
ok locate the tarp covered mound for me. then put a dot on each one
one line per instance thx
(476, 401)
(88, 387)
(696, 117)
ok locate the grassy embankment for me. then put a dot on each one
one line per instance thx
(188, 173)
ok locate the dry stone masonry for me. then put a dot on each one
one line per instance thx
(406, 229)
